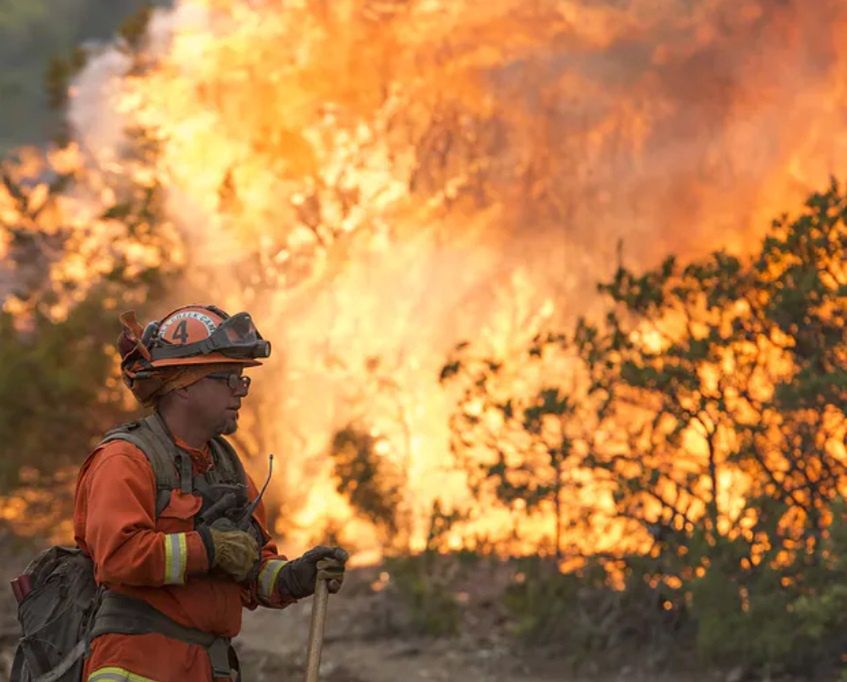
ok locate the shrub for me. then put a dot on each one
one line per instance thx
(422, 583)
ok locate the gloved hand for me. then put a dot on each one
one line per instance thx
(234, 552)
(297, 578)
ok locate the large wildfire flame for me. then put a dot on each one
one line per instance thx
(377, 180)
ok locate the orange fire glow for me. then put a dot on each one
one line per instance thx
(376, 180)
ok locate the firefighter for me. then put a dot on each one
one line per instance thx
(163, 508)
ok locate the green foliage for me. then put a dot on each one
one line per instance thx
(800, 268)
(60, 71)
(774, 617)
(41, 39)
(134, 27)
(729, 369)
(51, 383)
(59, 389)
(584, 616)
(717, 397)
(422, 583)
(541, 605)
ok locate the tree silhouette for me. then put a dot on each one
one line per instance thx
(370, 483)
(708, 408)
(516, 448)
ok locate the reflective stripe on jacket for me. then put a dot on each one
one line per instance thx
(162, 561)
(113, 674)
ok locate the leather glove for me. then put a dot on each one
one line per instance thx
(298, 577)
(234, 552)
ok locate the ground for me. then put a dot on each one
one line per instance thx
(360, 647)
(368, 639)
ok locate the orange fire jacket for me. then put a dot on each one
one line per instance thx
(162, 561)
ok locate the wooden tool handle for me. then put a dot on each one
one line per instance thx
(316, 630)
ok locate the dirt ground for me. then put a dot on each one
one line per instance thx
(367, 640)
(360, 647)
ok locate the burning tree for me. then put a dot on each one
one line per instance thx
(317, 155)
(76, 246)
(513, 432)
(721, 388)
(708, 411)
(371, 484)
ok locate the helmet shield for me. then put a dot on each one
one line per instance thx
(238, 337)
(235, 337)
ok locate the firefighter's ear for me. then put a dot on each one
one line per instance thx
(181, 393)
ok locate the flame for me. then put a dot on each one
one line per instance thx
(378, 180)
(72, 239)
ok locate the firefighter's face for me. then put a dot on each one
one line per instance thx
(216, 400)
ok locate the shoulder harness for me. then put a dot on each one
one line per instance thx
(172, 466)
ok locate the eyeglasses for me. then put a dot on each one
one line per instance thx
(234, 381)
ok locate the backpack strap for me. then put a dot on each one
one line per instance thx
(80, 649)
(150, 435)
(228, 467)
(120, 613)
(55, 674)
(166, 447)
(171, 465)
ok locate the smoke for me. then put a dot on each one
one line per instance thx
(377, 181)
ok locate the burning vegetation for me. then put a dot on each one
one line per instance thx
(417, 200)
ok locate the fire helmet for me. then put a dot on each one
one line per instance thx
(190, 335)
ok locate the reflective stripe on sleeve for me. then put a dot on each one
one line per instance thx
(113, 674)
(267, 577)
(176, 558)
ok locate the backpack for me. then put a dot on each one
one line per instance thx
(57, 614)
(55, 617)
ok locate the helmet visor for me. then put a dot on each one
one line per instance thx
(236, 337)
